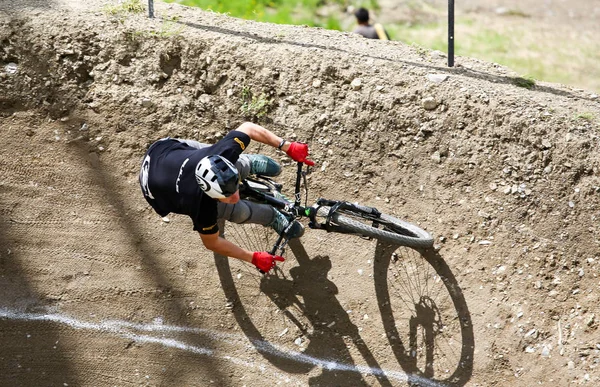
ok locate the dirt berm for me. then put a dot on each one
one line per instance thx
(97, 290)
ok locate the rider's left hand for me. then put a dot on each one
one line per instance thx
(265, 261)
(298, 151)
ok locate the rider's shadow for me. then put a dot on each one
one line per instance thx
(311, 292)
(315, 295)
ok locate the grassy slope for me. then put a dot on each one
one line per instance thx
(531, 48)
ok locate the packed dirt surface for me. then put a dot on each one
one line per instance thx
(98, 290)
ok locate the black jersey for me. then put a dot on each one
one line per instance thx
(168, 178)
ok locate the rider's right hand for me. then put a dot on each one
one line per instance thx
(298, 151)
(265, 261)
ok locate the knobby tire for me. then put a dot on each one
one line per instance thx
(393, 230)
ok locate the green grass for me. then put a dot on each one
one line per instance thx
(302, 12)
(587, 116)
(127, 6)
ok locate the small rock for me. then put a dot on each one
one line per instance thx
(545, 351)
(316, 83)
(11, 68)
(532, 333)
(590, 320)
(430, 103)
(502, 11)
(356, 84)
(437, 78)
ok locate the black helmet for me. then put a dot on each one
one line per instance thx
(217, 176)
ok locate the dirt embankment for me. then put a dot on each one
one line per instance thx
(504, 177)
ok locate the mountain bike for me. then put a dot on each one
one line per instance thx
(297, 304)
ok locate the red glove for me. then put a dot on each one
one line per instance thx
(265, 261)
(299, 152)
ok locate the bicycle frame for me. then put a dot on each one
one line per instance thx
(297, 210)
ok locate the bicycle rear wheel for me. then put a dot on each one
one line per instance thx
(360, 220)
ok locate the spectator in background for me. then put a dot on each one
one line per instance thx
(367, 30)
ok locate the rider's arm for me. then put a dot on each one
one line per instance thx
(224, 247)
(296, 150)
(263, 135)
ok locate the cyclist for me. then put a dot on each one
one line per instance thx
(201, 181)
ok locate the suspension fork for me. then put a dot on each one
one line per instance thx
(298, 181)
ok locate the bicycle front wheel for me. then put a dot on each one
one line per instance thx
(359, 220)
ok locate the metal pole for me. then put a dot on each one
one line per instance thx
(151, 8)
(450, 33)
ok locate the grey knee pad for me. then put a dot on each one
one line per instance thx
(243, 166)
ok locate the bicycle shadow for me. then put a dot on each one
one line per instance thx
(426, 341)
(314, 294)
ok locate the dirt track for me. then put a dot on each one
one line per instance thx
(99, 291)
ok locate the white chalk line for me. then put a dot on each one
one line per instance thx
(122, 329)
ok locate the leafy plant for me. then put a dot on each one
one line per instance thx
(125, 6)
(585, 116)
(527, 83)
(252, 105)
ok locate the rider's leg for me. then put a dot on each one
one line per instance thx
(249, 212)
(246, 212)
